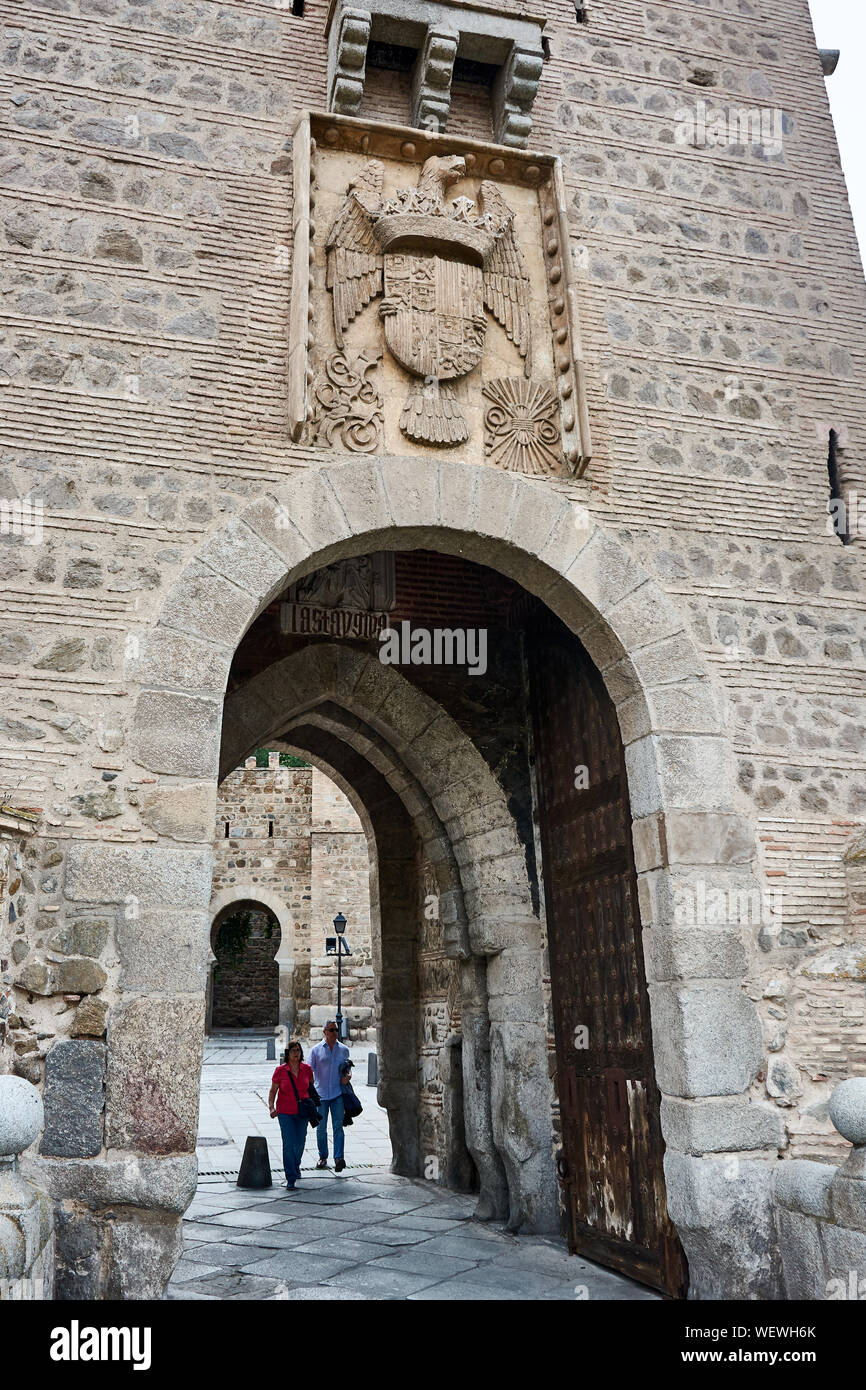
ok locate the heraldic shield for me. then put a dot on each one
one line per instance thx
(434, 315)
(439, 266)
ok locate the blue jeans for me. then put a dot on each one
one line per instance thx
(335, 1107)
(294, 1132)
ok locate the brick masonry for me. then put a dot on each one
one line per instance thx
(147, 224)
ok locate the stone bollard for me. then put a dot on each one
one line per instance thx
(255, 1169)
(26, 1214)
(848, 1189)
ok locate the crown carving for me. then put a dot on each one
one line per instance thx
(416, 218)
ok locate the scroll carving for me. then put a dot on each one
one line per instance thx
(347, 405)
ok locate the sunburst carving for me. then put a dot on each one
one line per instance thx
(521, 432)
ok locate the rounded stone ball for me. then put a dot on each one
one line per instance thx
(848, 1109)
(21, 1115)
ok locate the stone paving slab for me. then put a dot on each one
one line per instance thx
(197, 1233)
(385, 1235)
(418, 1262)
(290, 1235)
(317, 1293)
(247, 1220)
(339, 1195)
(463, 1246)
(528, 1283)
(225, 1255)
(388, 1283)
(360, 1251)
(295, 1268)
(344, 1214)
(235, 1286)
(447, 1293)
(419, 1221)
(189, 1269)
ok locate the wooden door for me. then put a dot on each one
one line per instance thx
(610, 1163)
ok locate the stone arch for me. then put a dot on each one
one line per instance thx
(680, 766)
(434, 767)
(251, 892)
(255, 899)
(529, 532)
(441, 781)
(469, 1150)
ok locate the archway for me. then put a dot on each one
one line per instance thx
(676, 755)
(232, 896)
(245, 980)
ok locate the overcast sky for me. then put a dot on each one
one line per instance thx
(842, 24)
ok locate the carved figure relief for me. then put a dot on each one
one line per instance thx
(346, 404)
(439, 265)
(364, 582)
(521, 429)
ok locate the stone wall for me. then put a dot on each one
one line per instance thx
(147, 211)
(340, 883)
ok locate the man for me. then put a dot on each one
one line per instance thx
(326, 1059)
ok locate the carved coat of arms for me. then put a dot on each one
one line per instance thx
(439, 265)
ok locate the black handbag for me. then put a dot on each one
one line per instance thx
(306, 1107)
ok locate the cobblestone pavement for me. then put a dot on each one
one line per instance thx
(362, 1234)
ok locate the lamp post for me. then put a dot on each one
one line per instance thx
(339, 948)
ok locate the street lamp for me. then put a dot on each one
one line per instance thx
(340, 949)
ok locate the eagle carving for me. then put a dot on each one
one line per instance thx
(438, 265)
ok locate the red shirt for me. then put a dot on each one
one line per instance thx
(286, 1103)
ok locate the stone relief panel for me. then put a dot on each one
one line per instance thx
(439, 266)
(471, 348)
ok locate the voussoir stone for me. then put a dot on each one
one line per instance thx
(202, 606)
(165, 658)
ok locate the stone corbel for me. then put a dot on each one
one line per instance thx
(514, 91)
(431, 82)
(347, 61)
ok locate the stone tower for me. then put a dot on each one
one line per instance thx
(543, 333)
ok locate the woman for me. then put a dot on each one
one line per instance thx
(290, 1084)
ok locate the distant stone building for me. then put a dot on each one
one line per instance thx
(531, 345)
(289, 847)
